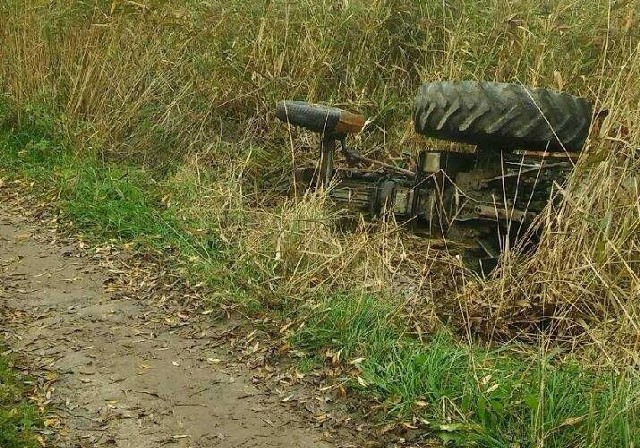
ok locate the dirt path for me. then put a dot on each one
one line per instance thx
(122, 379)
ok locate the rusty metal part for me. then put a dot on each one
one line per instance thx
(429, 162)
(502, 214)
(520, 173)
(349, 123)
(550, 155)
(325, 171)
(354, 157)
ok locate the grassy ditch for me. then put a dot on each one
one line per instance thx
(187, 89)
(493, 397)
(457, 391)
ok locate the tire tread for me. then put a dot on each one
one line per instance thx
(505, 116)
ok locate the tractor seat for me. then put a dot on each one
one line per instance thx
(318, 118)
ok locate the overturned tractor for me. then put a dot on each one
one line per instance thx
(526, 142)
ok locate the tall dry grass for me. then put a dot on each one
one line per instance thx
(584, 280)
(188, 88)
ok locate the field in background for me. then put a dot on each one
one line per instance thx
(153, 122)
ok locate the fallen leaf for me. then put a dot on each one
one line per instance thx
(386, 428)
(322, 417)
(52, 422)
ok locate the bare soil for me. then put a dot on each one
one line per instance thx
(114, 373)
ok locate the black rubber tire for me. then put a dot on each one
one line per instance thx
(502, 116)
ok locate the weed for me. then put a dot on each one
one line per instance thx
(18, 419)
(491, 397)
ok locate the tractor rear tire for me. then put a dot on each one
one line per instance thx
(503, 116)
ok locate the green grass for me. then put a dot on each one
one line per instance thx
(109, 201)
(502, 397)
(18, 419)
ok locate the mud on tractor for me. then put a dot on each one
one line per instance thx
(526, 143)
